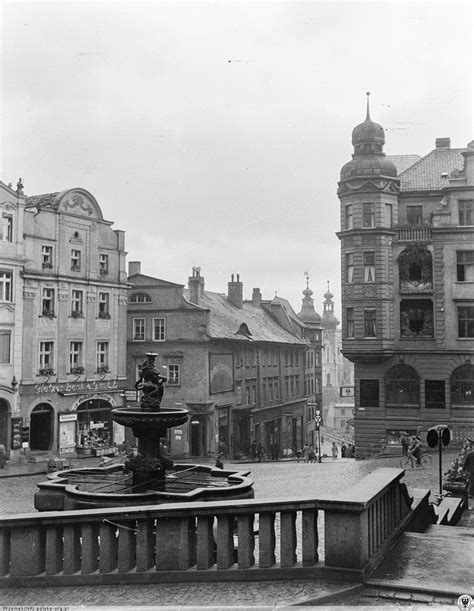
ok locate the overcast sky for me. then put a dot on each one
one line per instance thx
(213, 133)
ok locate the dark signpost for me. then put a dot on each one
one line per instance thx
(439, 435)
(318, 420)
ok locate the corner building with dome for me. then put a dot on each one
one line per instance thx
(407, 272)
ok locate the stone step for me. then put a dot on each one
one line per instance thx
(438, 530)
(418, 563)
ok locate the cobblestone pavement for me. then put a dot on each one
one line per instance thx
(272, 480)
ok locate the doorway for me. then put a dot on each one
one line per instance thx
(41, 427)
(4, 417)
(198, 436)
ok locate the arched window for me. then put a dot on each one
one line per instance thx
(140, 298)
(402, 387)
(416, 269)
(462, 385)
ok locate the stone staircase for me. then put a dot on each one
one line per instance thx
(436, 564)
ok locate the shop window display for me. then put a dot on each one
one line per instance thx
(94, 429)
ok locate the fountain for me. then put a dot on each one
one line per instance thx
(147, 477)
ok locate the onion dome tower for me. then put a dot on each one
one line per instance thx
(368, 193)
(329, 320)
(308, 314)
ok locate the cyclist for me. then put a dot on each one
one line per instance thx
(414, 449)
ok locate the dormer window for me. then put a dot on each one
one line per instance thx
(140, 298)
(243, 330)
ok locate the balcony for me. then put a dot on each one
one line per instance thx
(413, 233)
(416, 286)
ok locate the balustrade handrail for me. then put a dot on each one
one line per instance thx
(83, 545)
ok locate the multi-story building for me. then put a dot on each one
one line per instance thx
(238, 366)
(74, 297)
(407, 235)
(12, 258)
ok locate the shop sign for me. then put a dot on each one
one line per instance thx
(74, 388)
(346, 391)
(67, 417)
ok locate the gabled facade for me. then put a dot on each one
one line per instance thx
(239, 366)
(74, 315)
(408, 289)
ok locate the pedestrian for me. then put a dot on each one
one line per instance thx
(312, 455)
(404, 442)
(253, 450)
(334, 450)
(343, 450)
(219, 463)
(306, 452)
(468, 466)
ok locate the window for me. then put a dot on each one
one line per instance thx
(6, 286)
(159, 329)
(368, 215)
(369, 266)
(75, 357)
(388, 215)
(465, 265)
(350, 322)
(140, 298)
(415, 265)
(76, 304)
(173, 375)
(46, 257)
(349, 267)
(402, 387)
(370, 322)
(369, 393)
(47, 302)
(75, 260)
(434, 394)
(139, 329)
(462, 385)
(466, 321)
(6, 228)
(466, 215)
(415, 215)
(46, 361)
(349, 217)
(103, 264)
(238, 393)
(104, 300)
(416, 318)
(5, 342)
(102, 357)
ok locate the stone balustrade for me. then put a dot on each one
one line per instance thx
(414, 233)
(225, 540)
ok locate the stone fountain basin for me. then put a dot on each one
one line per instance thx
(161, 419)
(206, 483)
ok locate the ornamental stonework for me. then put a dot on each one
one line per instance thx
(369, 291)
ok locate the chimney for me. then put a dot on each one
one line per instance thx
(468, 155)
(443, 143)
(134, 267)
(256, 297)
(196, 285)
(235, 291)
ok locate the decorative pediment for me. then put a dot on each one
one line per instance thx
(80, 202)
(7, 207)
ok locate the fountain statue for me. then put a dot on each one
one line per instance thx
(146, 477)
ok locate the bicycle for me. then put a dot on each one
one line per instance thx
(410, 462)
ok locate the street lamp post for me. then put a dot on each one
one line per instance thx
(317, 420)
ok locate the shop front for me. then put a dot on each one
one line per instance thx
(72, 418)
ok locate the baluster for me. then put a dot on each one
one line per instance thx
(72, 548)
(310, 538)
(27, 550)
(90, 548)
(175, 543)
(266, 540)
(126, 546)
(246, 541)
(54, 549)
(205, 542)
(4, 551)
(225, 541)
(108, 547)
(145, 545)
(288, 538)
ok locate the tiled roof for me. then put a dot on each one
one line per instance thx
(226, 320)
(46, 199)
(403, 162)
(431, 172)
